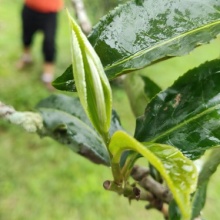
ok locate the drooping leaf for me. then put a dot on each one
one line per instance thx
(135, 35)
(178, 171)
(91, 82)
(74, 134)
(199, 200)
(207, 171)
(65, 103)
(72, 106)
(66, 122)
(186, 115)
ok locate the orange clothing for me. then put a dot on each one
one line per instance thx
(45, 6)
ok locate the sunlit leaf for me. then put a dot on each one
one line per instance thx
(178, 171)
(186, 115)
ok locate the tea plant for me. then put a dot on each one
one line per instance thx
(178, 124)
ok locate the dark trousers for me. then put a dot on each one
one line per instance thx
(33, 21)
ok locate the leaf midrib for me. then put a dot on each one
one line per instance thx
(144, 51)
(184, 123)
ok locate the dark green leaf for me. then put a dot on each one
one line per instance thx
(150, 88)
(174, 212)
(75, 134)
(187, 114)
(65, 103)
(72, 106)
(135, 35)
(66, 122)
(65, 82)
(138, 33)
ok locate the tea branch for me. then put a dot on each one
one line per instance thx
(30, 121)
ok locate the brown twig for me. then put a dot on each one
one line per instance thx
(160, 195)
(141, 175)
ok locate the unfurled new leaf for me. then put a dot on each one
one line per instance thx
(91, 82)
(178, 171)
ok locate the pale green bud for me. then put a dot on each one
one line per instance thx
(91, 82)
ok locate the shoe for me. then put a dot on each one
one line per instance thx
(24, 62)
(47, 79)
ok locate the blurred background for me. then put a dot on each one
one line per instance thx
(41, 179)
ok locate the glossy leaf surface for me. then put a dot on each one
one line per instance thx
(66, 122)
(72, 106)
(186, 115)
(136, 34)
(178, 171)
(75, 134)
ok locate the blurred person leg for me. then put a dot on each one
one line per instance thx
(49, 28)
(29, 27)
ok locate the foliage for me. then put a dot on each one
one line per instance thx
(184, 116)
(178, 125)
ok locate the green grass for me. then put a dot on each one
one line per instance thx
(41, 179)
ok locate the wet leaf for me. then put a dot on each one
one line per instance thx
(72, 106)
(74, 134)
(66, 122)
(136, 34)
(178, 171)
(186, 115)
